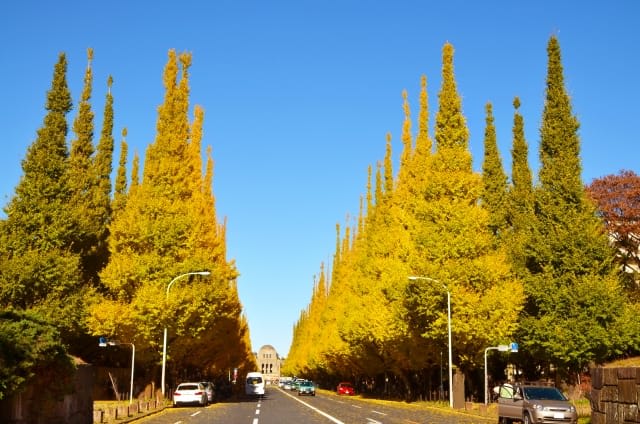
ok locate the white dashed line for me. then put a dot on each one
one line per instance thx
(255, 420)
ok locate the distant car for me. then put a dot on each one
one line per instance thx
(210, 390)
(345, 389)
(306, 388)
(296, 383)
(190, 393)
(254, 384)
(285, 383)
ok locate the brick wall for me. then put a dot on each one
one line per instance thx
(615, 395)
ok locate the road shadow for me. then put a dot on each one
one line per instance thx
(242, 398)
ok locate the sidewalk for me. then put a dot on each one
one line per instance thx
(125, 413)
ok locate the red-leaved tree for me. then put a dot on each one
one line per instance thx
(618, 200)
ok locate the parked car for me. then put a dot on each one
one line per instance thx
(533, 403)
(345, 388)
(190, 393)
(210, 390)
(287, 385)
(306, 388)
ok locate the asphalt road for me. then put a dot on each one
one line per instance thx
(284, 407)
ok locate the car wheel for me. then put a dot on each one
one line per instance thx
(527, 418)
(503, 420)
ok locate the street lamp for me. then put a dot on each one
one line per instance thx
(413, 278)
(513, 347)
(164, 344)
(104, 343)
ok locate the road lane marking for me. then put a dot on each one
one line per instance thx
(378, 412)
(372, 421)
(257, 412)
(324, 414)
(356, 406)
(255, 421)
(195, 413)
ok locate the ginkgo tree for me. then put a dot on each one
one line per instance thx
(575, 311)
(166, 227)
(455, 246)
(426, 221)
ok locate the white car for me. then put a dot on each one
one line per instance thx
(254, 384)
(190, 393)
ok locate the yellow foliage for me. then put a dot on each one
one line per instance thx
(111, 319)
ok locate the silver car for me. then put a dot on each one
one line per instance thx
(208, 387)
(533, 403)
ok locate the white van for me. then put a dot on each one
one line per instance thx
(254, 384)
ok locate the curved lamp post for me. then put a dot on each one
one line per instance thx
(449, 330)
(164, 344)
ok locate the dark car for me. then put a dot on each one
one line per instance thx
(306, 388)
(345, 388)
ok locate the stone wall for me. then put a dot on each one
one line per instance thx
(615, 395)
(36, 405)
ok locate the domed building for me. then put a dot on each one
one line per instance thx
(269, 363)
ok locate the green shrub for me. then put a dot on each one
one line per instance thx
(30, 347)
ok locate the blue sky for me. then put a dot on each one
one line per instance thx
(299, 95)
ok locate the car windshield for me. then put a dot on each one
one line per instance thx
(543, 393)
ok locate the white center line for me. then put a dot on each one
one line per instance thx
(324, 414)
(195, 413)
(378, 412)
(255, 421)
(257, 412)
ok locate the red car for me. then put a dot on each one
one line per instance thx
(345, 389)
